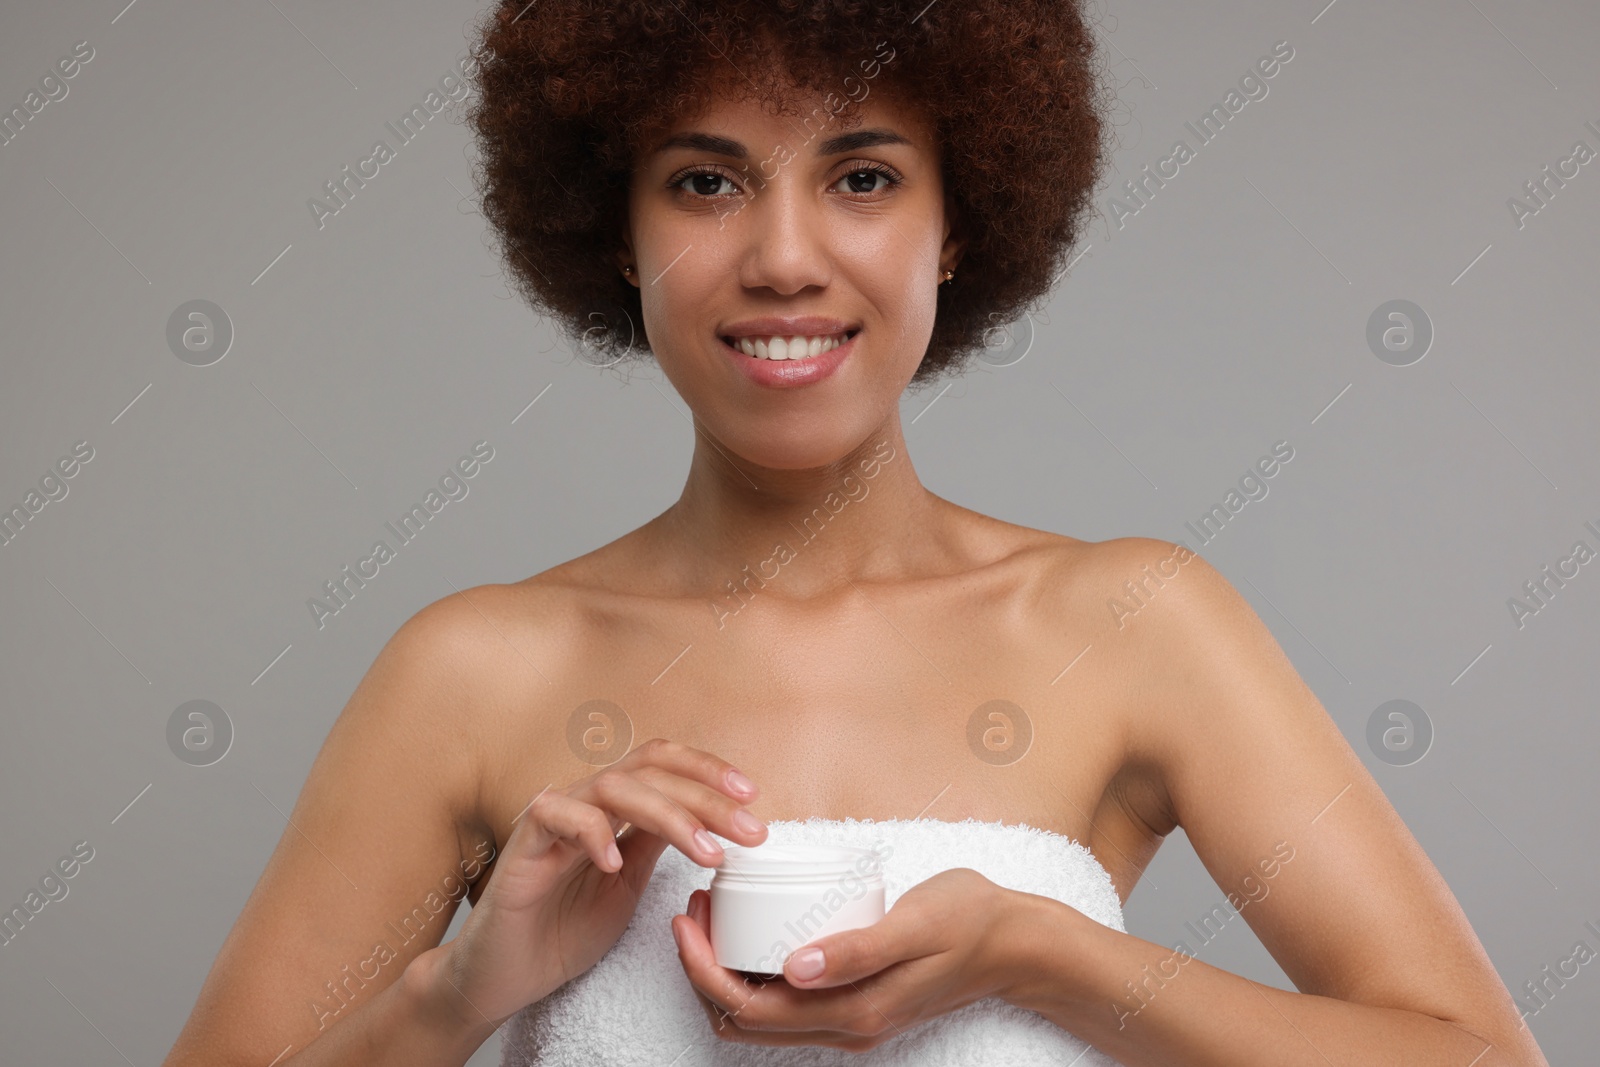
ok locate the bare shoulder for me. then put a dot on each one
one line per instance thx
(529, 653)
(1119, 588)
(386, 836)
(487, 626)
(1134, 569)
(1202, 665)
(1279, 807)
(458, 680)
(1103, 584)
(1194, 640)
(502, 644)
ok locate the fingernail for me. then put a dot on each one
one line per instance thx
(743, 820)
(806, 964)
(614, 854)
(740, 783)
(707, 843)
(676, 938)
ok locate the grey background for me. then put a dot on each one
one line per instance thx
(1228, 314)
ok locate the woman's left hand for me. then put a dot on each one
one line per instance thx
(945, 943)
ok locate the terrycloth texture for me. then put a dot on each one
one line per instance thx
(636, 1006)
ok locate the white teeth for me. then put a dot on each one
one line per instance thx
(787, 347)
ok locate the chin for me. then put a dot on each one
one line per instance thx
(800, 457)
(805, 449)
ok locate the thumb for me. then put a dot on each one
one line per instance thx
(851, 955)
(640, 851)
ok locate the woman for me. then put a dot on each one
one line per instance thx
(810, 645)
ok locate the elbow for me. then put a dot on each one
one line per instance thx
(1501, 1043)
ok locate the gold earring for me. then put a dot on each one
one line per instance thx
(627, 270)
(949, 274)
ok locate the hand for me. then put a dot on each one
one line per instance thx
(564, 887)
(942, 946)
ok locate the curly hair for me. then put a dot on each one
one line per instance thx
(568, 90)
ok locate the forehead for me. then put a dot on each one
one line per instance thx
(730, 123)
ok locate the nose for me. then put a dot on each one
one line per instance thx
(785, 238)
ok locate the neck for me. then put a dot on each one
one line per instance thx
(797, 534)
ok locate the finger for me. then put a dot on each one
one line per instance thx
(737, 993)
(729, 992)
(851, 955)
(689, 762)
(624, 795)
(640, 851)
(714, 810)
(776, 1014)
(553, 816)
(765, 1011)
(699, 910)
(728, 1028)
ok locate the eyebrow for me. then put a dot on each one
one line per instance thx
(833, 146)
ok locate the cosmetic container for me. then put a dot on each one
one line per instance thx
(769, 900)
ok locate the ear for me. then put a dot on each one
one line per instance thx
(955, 238)
(624, 256)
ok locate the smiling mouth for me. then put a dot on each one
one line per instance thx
(788, 348)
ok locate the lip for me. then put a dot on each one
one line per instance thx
(787, 326)
(790, 373)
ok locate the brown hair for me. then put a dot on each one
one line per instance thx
(569, 89)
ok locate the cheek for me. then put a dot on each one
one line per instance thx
(679, 305)
(921, 311)
(895, 268)
(904, 303)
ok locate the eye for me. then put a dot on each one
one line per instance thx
(705, 183)
(866, 174)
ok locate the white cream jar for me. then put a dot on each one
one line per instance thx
(769, 900)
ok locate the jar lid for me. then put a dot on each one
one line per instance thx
(795, 863)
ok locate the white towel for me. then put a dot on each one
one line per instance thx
(636, 1008)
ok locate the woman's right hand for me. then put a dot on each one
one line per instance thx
(562, 890)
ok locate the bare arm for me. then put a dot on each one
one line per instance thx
(1149, 1005)
(1310, 853)
(367, 875)
(409, 1023)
